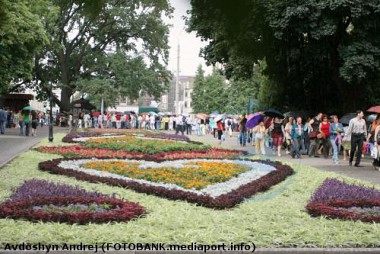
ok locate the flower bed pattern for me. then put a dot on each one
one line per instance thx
(72, 136)
(228, 199)
(80, 151)
(336, 199)
(193, 174)
(148, 146)
(38, 200)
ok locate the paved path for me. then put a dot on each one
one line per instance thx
(12, 144)
(366, 172)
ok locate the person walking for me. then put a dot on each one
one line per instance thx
(336, 130)
(259, 132)
(179, 125)
(297, 135)
(3, 120)
(219, 125)
(358, 130)
(376, 161)
(324, 135)
(243, 131)
(314, 141)
(21, 122)
(278, 132)
(27, 121)
(34, 123)
(288, 129)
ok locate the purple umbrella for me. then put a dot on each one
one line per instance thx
(254, 120)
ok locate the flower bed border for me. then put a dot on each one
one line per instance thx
(224, 201)
(69, 137)
(158, 156)
(331, 209)
(22, 209)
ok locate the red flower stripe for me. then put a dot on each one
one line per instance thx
(23, 209)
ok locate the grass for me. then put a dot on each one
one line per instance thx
(273, 219)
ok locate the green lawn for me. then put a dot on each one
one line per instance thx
(273, 219)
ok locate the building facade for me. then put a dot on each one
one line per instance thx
(185, 89)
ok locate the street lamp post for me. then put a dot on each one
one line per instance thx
(51, 62)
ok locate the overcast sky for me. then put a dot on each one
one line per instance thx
(190, 45)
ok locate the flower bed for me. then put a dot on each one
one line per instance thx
(336, 199)
(219, 196)
(38, 200)
(74, 137)
(80, 151)
(193, 174)
(148, 146)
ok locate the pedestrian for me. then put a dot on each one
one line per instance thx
(219, 127)
(166, 121)
(336, 130)
(288, 129)
(297, 135)
(314, 141)
(371, 137)
(376, 162)
(3, 120)
(243, 131)
(358, 130)
(179, 125)
(27, 121)
(259, 132)
(34, 123)
(21, 122)
(324, 135)
(189, 125)
(278, 132)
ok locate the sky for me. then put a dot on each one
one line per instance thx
(190, 45)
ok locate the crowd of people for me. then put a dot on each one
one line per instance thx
(317, 136)
(321, 135)
(26, 120)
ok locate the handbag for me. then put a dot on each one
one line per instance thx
(313, 134)
(374, 152)
(321, 135)
(258, 136)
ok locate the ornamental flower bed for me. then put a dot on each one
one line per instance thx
(38, 200)
(336, 199)
(195, 174)
(80, 151)
(148, 146)
(73, 136)
(221, 195)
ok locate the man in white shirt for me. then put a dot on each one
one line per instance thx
(357, 129)
(179, 125)
(86, 118)
(152, 121)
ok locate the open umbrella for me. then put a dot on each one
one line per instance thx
(27, 108)
(375, 109)
(254, 120)
(153, 113)
(201, 116)
(345, 120)
(218, 118)
(371, 118)
(95, 114)
(274, 113)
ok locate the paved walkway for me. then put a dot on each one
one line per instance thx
(12, 144)
(366, 172)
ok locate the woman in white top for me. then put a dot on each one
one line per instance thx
(288, 129)
(259, 135)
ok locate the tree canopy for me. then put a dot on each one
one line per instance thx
(320, 55)
(91, 42)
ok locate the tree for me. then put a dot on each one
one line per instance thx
(317, 52)
(85, 48)
(122, 76)
(209, 92)
(22, 36)
(197, 96)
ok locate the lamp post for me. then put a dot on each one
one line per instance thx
(51, 63)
